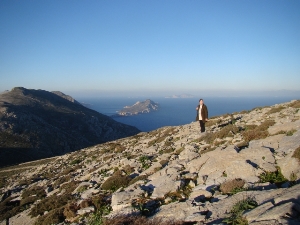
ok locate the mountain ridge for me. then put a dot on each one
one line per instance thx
(38, 124)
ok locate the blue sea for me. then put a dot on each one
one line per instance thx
(177, 111)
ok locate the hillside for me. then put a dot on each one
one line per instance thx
(243, 170)
(36, 124)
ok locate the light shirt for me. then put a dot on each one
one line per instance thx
(200, 116)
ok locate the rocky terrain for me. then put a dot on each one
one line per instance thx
(243, 170)
(36, 124)
(146, 106)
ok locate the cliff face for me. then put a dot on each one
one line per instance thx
(36, 124)
(243, 170)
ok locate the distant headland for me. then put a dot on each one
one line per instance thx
(146, 106)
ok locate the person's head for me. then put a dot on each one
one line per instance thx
(201, 101)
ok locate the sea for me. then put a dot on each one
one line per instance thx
(176, 111)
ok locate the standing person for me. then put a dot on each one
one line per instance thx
(202, 115)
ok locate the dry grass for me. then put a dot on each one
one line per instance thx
(295, 104)
(138, 220)
(162, 135)
(212, 122)
(232, 185)
(275, 110)
(227, 131)
(258, 132)
(53, 217)
(116, 181)
(51, 203)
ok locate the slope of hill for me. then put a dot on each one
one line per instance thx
(244, 170)
(36, 124)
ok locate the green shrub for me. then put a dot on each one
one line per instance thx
(145, 161)
(272, 177)
(290, 132)
(98, 217)
(236, 213)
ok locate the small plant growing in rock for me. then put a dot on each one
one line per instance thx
(236, 213)
(145, 161)
(98, 217)
(290, 132)
(272, 177)
(75, 161)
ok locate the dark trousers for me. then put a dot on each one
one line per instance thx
(202, 126)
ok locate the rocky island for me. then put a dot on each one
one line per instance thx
(146, 106)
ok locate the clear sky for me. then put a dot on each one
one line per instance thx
(150, 47)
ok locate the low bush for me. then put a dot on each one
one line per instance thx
(51, 203)
(70, 210)
(8, 208)
(53, 217)
(138, 220)
(128, 169)
(36, 191)
(296, 153)
(232, 186)
(145, 161)
(142, 177)
(272, 177)
(116, 181)
(290, 132)
(98, 218)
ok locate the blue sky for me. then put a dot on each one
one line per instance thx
(150, 47)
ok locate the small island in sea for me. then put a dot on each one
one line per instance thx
(146, 106)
